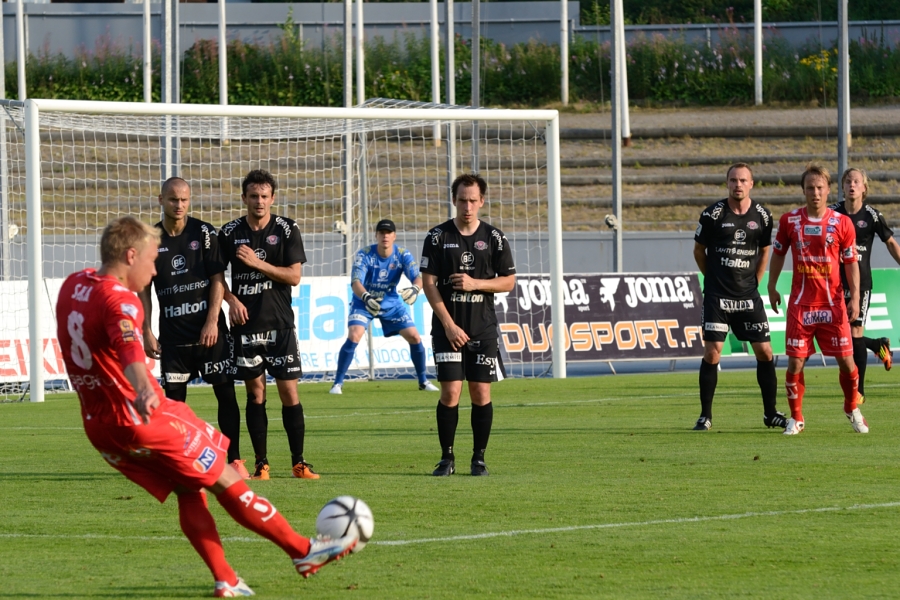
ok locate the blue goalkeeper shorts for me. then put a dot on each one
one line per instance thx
(393, 320)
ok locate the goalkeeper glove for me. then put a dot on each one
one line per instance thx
(373, 304)
(410, 294)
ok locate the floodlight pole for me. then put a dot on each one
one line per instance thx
(21, 57)
(564, 51)
(35, 256)
(223, 68)
(757, 51)
(623, 77)
(450, 83)
(616, 134)
(435, 67)
(844, 133)
(171, 58)
(148, 57)
(476, 78)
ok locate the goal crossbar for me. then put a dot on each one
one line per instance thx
(361, 118)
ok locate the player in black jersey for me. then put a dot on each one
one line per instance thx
(731, 247)
(193, 335)
(266, 256)
(868, 222)
(464, 263)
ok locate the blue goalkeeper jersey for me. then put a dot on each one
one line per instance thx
(380, 275)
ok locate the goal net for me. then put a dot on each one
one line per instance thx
(67, 168)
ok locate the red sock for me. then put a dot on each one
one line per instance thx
(259, 516)
(850, 384)
(793, 382)
(198, 525)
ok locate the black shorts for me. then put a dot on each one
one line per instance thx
(865, 297)
(746, 318)
(275, 351)
(182, 363)
(478, 360)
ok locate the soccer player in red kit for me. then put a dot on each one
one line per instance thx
(159, 444)
(821, 239)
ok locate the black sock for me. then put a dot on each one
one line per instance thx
(447, 420)
(873, 344)
(295, 427)
(709, 377)
(860, 356)
(229, 418)
(176, 391)
(768, 385)
(258, 428)
(482, 419)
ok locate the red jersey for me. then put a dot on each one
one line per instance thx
(99, 330)
(820, 246)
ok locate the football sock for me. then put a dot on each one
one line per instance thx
(200, 529)
(768, 384)
(295, 427)
(849, 383)
(482, 419)
(229, 418)
(417, 353)
(859, 359)
(258, 428)
(793, 382)
(176, 391)
(345, 357)
(709, 377)
(873, 344)
(259, 516)
(447, 420)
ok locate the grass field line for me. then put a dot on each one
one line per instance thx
(478, 536)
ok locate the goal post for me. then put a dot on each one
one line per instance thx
(84, 163)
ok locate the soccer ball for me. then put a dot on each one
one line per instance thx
(346, 515)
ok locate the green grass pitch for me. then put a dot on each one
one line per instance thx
(598, 488)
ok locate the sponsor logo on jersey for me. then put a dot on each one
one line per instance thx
(260, 253)
(815, 317)
(187, 287)
(207, 233)
(763, 213)
(777, 245)
(223, 366)
(489, 361)
(206, 460)
(795, 219)
(735, 263)
(498, 237)
(178, 262)
(654, 290)
(831, 229)
(184, 309)
(178, 377)
(761, 327)
(801, 245)
(812, 230)
(848, 253)
(230, 226)
(726, 225)
(139, 452)
(740, 235)
(383, 274)
(720, 327)
(716, 212)
(468, 259)
(250, 289)
(833, 220)
(729, 305)
(481, 245)
(443, 357)
(471, 297)
(699, 229)
(129, 334)
(281, 361)
(238, 242)
(195, 245)
(436, 236)
(795, 342)
(285, 226)
(82, 293)
(129, 309)
(816, 270)
(829, 239)
(423, 262)
(272, 240)
(162, 249)
(752, 225)
(89, 381)
(862, 224)
(738, 251)
(259, 339)
(248, 362)
(451, 245)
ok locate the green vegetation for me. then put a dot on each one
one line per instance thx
(661, 70)
(600, 478)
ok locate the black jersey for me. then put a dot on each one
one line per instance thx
(867, 222)
(183, 268)
(733, 247)
(483, 255)
(279, 244)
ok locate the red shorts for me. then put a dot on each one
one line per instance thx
(828, 324)
(175, 448)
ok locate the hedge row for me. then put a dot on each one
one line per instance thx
(660, 70)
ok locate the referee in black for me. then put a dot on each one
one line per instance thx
(464, 263)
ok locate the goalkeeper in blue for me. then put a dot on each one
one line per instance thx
(376, 273)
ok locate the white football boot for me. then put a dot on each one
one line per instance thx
(793, 427)
(857, 421)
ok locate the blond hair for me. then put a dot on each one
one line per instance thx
(124, 233)
(816, 171)
(738, 165)
(862, 173)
